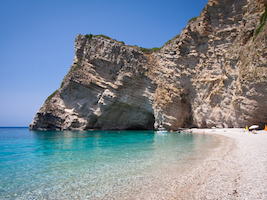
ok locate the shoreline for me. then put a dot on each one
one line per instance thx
(233, 166)
(237, 169)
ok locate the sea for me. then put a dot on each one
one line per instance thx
(96, 164)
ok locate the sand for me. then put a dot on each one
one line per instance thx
(237, 169)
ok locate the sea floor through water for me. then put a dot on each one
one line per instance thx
(94, 164)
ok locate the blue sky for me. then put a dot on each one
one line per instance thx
(37, 41)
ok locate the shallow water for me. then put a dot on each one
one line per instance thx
(94, 164)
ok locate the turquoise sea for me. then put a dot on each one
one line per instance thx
(94, 164)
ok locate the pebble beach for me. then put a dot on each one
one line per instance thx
(237, 169)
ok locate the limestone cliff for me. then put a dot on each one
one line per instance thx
(214, 73)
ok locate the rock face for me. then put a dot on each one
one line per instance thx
(214, 73)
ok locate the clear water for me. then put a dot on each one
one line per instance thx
(93, 164)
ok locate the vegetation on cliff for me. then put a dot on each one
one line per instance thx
(149, 51)
(90, 36)
(263, 21)
(193, 19)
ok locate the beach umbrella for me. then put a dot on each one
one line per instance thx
(253, 127)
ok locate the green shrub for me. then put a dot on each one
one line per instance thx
(193, 19)
(104, 36)
(89, 37)
(149, 51)
(263, 21)
(53, 94)
(172, 39)
(264, 16)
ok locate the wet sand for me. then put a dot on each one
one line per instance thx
(237, 169)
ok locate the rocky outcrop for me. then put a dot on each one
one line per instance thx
(213, 73)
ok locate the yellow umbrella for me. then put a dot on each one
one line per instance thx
(246, 127)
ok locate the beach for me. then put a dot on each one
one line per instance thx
(237, 169)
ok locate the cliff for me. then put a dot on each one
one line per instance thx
(214, 73)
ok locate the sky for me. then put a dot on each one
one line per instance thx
(37, 41)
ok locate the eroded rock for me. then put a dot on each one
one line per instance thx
(212, 74)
